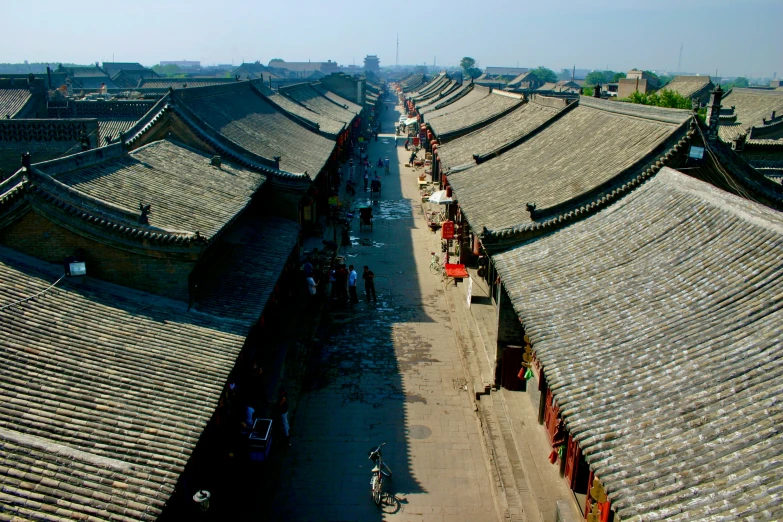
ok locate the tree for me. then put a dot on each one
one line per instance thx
(468, 65)
(663, 98)
(617, 77)
(166, 70)
(594, 78)
(741, 82)
(544, 74)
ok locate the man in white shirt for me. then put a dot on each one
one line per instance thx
(352, 277)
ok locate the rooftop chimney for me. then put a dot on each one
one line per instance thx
(215, 162)
(26, 160)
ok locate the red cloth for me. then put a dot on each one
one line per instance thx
(456, 270)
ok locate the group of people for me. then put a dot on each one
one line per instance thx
(343, 281)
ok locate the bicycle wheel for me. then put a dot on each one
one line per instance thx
(376, 490)
(435, 268)
(386, 470)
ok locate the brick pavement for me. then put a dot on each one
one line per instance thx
(389, 372)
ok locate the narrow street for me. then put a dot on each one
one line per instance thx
(388, 372)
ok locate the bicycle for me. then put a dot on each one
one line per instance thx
(378, 472)
(435, 266)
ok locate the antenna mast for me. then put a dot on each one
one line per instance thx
(397, 59)
(679, 62)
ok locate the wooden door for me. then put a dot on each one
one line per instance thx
(551, 415)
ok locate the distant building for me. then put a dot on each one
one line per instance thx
(185, 64)
(372, 64)
(309, 70)
(698, 87)
(512, 72)
(527, 80)
(636, 80)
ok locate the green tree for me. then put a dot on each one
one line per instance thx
(467, 63)
(594, 78)
(469, 68)
(741, 82)
(662, 98)
(166, 70)
(616, 77)
(544, 74)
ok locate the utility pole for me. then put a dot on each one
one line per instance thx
(397, 59)
(679, 62)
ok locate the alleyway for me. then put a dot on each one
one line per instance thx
(389, 372)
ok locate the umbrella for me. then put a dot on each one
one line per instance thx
(440, 198)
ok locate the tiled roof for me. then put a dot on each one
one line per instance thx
(93, 82)
(431, 88)
(753, 105)
(105, 393)
(181, 83)
(412, 82)
(507, 129)
(476, 93)
(243, 115)
(688, 86)
(131, 79)
(339, 100)
(452, 123)
(322, 123)
(658, 325)
(185, 191)
(113, 68)
(441, 89)
(112, 127)
(449, 97)
(588, 146)
(248, 262)
(13, 101)
(307, 96)
(561, 86)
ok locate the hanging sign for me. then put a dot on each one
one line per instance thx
(447, 230)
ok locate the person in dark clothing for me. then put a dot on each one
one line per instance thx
(369, 284)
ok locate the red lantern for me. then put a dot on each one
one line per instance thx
(448, 191)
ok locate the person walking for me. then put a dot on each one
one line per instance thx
(352, 277)
(369, 284)
(282, 408)
(366, 179)
(386, 164)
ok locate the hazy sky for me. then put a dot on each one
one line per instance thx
(737, 37)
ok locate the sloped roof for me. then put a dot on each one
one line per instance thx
(447, 125)
(185, 191)
(505, 71)
(13, 101)
(307, 96)
(561, 86)
(412, 82)
(688, 86)
(525, 76)
(658, 325)
(113, 68)
(131, 79)
(450, 104)
(588, 146)
(181, 83)
(105, 394)
(431, 88)
(753, 105)
(110, 128)
(247, 264)
(241, 114)
(505, 130)
(339, 100)
(323, 123)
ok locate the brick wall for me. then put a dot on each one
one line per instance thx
(162, 274)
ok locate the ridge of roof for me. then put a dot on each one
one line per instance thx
(587, 204)
(244, 157)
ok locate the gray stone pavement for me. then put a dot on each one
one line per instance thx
(389, 372)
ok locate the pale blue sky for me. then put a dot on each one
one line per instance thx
(739, 37)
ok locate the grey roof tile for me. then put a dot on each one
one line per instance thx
(105, 393)
(584, 148)
(446, 125)
(13, 101)
(507, 129)
(658, 325)
(243, 115)
(185, 191)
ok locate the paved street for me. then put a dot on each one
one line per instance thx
(388, 372)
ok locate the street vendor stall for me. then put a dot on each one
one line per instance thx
(455, 272)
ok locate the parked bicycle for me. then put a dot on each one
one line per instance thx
(378, 472)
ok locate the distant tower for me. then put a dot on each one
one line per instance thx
(372, 63)
(397, 59)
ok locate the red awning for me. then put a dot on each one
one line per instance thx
(456, 270)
